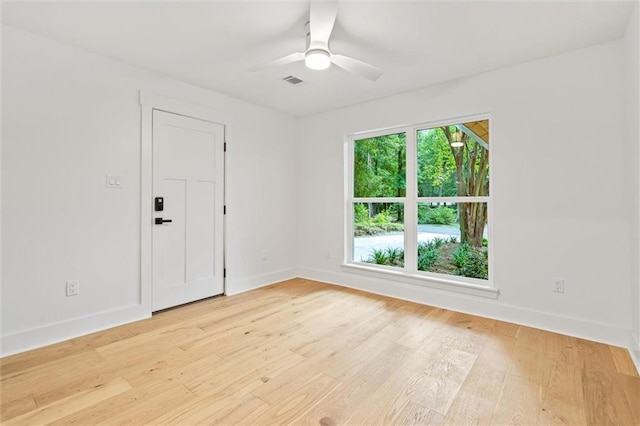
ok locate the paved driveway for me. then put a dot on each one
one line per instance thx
(363, 246)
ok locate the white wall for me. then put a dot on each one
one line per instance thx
(71, 117)
(560, 190)
(563, 178)
(632, 67)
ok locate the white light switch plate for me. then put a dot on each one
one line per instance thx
(113, 181)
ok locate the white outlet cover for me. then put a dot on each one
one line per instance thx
(73, 288)
(558, 285)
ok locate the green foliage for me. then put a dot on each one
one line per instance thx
(381, 223)
(442, 171)
(395, 256)
(360, 213)
(436, 165)
(382, 218)
(390, 256)
(471, 261)
(361, 229)
(378, 257)
(428, 254)
(439, 255)
(460, 255)
(396, 211)
(440, 215)
(380, 166)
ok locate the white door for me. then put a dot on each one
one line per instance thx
(188, 173)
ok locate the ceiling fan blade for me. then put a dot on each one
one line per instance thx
(294, 57)
(357, 67)
(322, 16)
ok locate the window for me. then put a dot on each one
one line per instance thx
(418, 202)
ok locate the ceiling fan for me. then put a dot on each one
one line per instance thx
(317, 55)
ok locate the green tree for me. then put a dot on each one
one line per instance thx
(436, 166)
(443, 170)
(380, 170)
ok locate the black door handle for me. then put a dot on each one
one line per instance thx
(160, 221)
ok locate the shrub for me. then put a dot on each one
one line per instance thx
(395, 256)
(423, 213)
(378, 257)
(437, 242)
(471, 261)
(443, 215)
(382, 218)
(428, 254)
(380, 223)
(360, 213)
(361, 229)
(390, 256)
(460, 255)
(440, 215)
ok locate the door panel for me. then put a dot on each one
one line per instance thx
(171, 241)
(188, 171)
(201, 241)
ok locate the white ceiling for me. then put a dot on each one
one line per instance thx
(214, 44)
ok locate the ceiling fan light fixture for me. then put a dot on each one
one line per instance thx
(317, 59)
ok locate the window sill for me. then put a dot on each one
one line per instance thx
(423, 281)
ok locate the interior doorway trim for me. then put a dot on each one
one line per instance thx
(149, 102)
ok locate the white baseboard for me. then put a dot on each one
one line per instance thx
(576, 327)
(257, 281)
(57, 332)
(53, 333)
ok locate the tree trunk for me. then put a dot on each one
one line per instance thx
(477, 218)
(399, 189)
(472, 216)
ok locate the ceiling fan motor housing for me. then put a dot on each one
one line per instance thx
(317, 44)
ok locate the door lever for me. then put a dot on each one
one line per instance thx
(160, 221)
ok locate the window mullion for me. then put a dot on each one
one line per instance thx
(410, 209)
(349, 195)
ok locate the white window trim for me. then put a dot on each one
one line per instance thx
(410, 274)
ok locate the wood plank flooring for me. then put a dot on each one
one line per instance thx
(303, 352)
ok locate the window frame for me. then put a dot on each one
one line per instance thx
(410, 273)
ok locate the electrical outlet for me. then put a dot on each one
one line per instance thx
(558, 285)
(73, 288)
(264, 256)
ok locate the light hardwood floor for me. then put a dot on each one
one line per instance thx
(303, 352)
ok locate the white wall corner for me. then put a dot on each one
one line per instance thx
(243, 285)
(48, 334)
(634, 350)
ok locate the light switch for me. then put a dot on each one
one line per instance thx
(114, 181)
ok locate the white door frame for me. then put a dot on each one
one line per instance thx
(150, 101)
